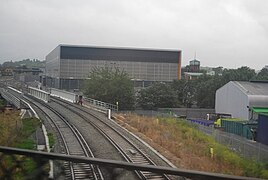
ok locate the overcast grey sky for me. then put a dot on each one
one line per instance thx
(228, 33)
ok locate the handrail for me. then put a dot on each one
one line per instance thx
(101, 104)
(119, 164)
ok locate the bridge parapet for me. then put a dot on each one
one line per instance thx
(11, 98)
(66, 95)
(39, 94)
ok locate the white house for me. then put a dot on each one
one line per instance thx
(242, 98)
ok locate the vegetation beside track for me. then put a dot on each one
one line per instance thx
(188, 148)
(17, 132)
(2, 105)
(51, 139)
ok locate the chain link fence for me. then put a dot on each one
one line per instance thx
(244, 147)
(174, 112)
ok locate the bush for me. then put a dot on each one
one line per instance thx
(17, 132)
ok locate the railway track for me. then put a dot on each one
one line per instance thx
(74, 144)
(126, 147)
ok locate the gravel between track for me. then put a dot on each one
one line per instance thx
(100, 146)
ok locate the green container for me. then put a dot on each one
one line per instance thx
(238, 127)
(247, 130)
(218, 122)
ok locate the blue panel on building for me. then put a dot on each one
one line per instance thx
(119, 54)
(262, 131)
(203, 122)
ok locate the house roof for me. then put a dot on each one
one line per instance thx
(194, 60)
(253, 88)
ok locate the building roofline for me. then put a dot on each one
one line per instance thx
(235, 83)
(240, 86)
(120, 48)
(58, 46)
(258, 81)
(194, 60)
(247, 91)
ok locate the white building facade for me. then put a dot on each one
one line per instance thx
(239, 98)
(68, 65)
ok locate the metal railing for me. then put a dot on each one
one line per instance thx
(10, 98)
(100, 104)
(175, 112)
(13, 160)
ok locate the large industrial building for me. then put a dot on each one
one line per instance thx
(68, 65)
(242, 99)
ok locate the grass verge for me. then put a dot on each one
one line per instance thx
(189, 148)
(51, 139)
(18, 133)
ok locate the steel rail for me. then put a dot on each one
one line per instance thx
(126, 149)
(75, 170)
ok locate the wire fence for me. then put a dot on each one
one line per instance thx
(244, 147)
(175, 112)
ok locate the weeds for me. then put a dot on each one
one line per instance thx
(17, 132)
(192, 147)
(51, 139)
(10, 125)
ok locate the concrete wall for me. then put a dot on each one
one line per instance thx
(68, 96)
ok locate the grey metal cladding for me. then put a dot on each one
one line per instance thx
(119, 54)
(254, 88)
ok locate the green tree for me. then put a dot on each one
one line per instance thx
(189, 93)
(35, 63)
(159, 95)
(202, 91)
(243, 73)
(262, 75)
(207, 85)
(178, 86)
(111, 86)
(186, 92)
(206, 90)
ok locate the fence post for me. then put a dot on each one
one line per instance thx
(259, 149)
(109, 113)
(117, 105)
(244, 152)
